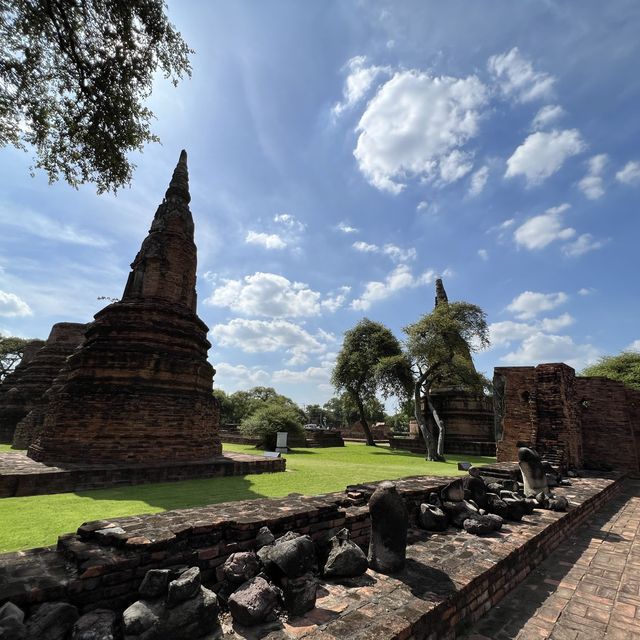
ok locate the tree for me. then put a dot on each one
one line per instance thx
(625, 367)
(74, 75)
(438, 350)
(11, 351)
(237, 406)
(226, 406)
(268, 419)
(365, 366)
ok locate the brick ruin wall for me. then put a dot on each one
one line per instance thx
(104, 563)
(571, 420)
(467, 417)
(607, 416)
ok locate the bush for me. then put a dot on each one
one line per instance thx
(265, 422)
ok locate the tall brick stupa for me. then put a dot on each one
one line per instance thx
(139, 390)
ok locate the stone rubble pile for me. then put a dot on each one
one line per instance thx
(480, 506)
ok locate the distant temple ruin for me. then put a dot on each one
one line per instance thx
(140, 388)
(467, 415)
(40, 364)
(571, 421)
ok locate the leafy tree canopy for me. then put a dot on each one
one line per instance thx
(439, 348)
(11, 350)
(236, 407)
(74, 75)
(625, 367)
(269, 418)
(368, 363)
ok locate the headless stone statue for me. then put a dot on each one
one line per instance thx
(389, 523)
(533, 473)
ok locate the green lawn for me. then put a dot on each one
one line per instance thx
(36, 521)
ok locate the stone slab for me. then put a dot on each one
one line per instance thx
(22, 476)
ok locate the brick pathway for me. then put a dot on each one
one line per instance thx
(588, 589)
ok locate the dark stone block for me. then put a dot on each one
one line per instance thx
(52, 621)
(253, 602)
(389, 524)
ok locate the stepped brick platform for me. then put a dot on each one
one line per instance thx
(450, 580)
(22, 476)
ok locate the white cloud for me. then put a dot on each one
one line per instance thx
(397, 254)
(267, 240)
(634, 346)
(530, 303)
(543, 153)
(316, 375)
(581, 245)
(539, 231)
(360, 79)
(597, 163)
(478, 181)
(266, 294)
(540, 347)
(455, 166)
(415, 126)
(547, 114)
(365, 247)
(337, 300)
(400, 278)
(592, 187)
(11, 306)
(267, 336)
(484, 254)
(517, 77)
(289, 221)
(42, 226)
(592, 184)
(555, 324)
(629, 174)
(423, 205)
(586, 291)
(229, 376)
(346, 228)
(508, 331)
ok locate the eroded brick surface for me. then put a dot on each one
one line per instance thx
(24, 389)
(450, 580)
(588, 588)
(139, 389)
(570, 420)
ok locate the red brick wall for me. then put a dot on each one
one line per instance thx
(568, 419)
(556, 416)
(514, 391)
(607, 422)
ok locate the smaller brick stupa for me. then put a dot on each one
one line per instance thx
(140, 389)
(40, 364)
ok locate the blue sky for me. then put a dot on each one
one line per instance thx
(344, 154)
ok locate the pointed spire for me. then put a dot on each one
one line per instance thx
(441, 294)
(179, 185)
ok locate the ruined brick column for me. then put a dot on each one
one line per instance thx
(35, 373)
(140, 389)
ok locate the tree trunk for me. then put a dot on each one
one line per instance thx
(440, 424)
(432, 453)
(365, 424)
